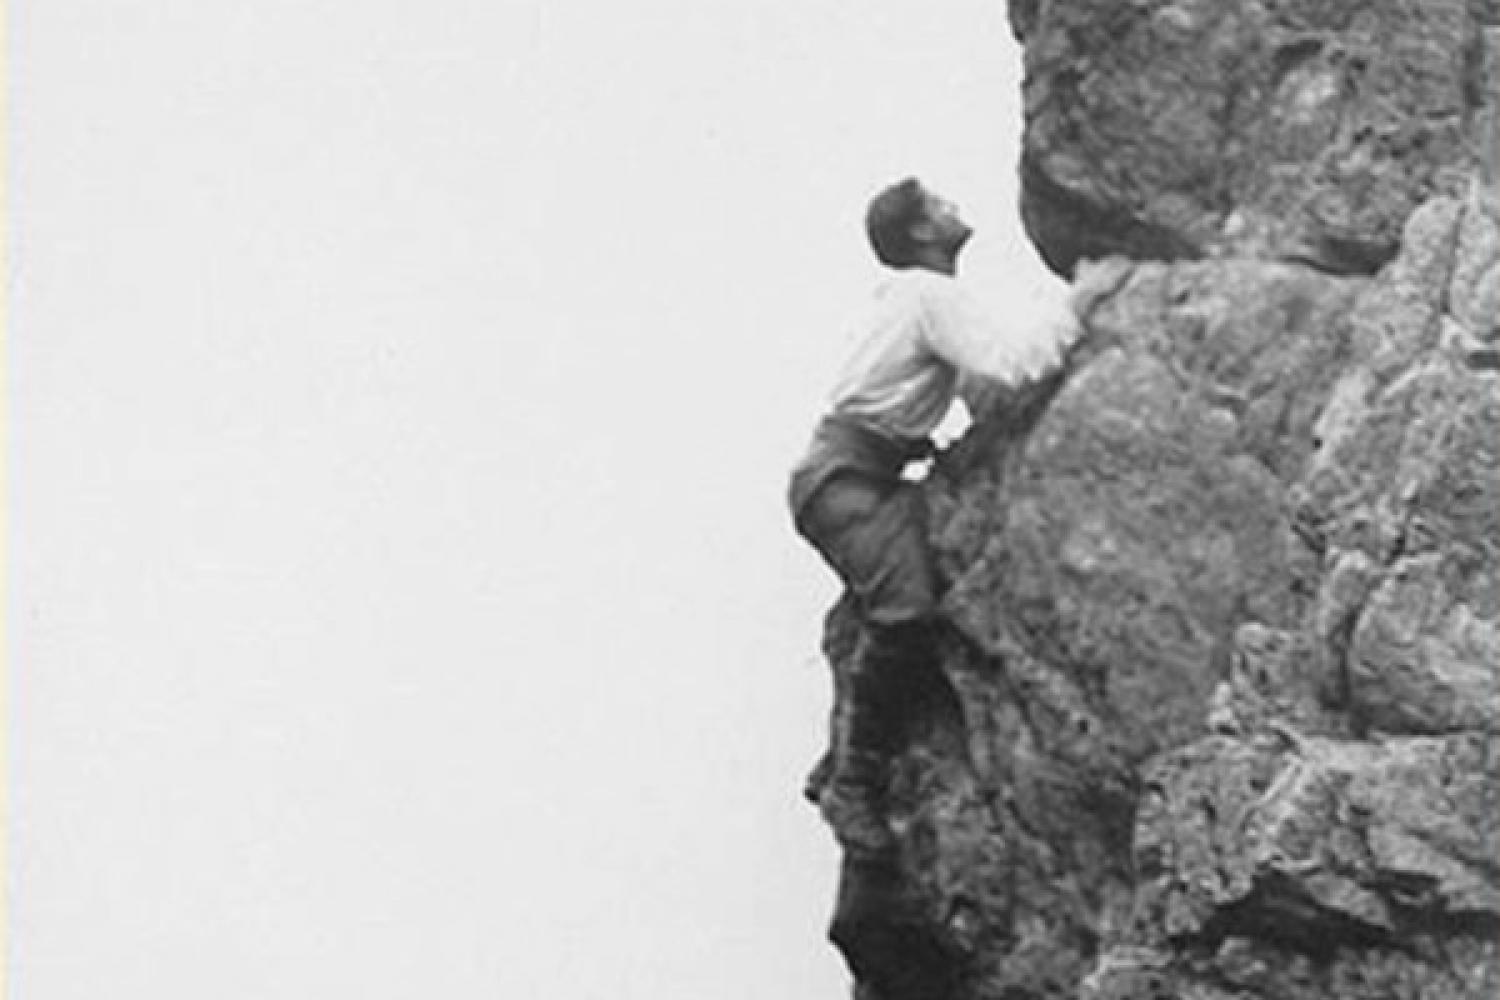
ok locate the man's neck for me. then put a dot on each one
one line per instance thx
(942, 263)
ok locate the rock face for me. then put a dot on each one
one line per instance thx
(1217, 711)
(1272, 128)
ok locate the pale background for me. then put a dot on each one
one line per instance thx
(401, 395)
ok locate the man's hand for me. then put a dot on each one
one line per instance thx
(1096, 280)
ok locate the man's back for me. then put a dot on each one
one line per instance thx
(893, 380)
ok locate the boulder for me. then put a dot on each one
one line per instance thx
(1215, 710)
(1291, 129)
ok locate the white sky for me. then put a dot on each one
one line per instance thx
(402, 602)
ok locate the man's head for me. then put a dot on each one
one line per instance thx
(909, 226)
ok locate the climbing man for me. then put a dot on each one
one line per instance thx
(923, 341)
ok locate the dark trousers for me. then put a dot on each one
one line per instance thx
(871, 534)
(849, 501)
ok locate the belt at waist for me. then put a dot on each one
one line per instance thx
(861, 444)
(844, 445)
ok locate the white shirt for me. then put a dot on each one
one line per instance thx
(924, 339)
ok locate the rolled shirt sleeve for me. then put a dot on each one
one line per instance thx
(923, 339)
(962, 332)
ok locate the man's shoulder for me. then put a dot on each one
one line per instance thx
(920, 278)
(913, 287)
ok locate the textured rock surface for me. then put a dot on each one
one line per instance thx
(1217, 711)
(1280, 128)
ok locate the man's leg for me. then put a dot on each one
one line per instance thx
(872, 534)
(866, 736)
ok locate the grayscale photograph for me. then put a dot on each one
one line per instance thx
(896, 500)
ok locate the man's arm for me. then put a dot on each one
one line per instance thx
(985, 352)
(995, 364)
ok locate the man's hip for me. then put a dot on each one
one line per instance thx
(849, 501)
(845, 447)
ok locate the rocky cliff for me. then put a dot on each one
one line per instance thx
(1217, 712)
